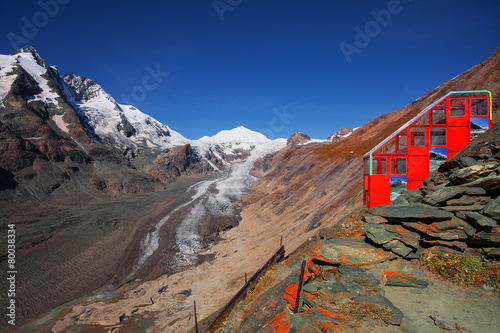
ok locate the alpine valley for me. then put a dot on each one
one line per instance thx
(108, 201)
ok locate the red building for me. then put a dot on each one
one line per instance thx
(405, 159)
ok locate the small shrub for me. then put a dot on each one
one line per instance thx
(465, 270)
(361, 310)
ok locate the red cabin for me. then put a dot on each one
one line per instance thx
(403, 160)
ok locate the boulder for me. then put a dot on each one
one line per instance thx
(404, 235)
(398, 247)
(472, 173)
(487, 238)
(476, 219)
(372, 219)
(312, 320)
(444, 194)
(492, 182)
(467, 200)
(493, 253)
(410, 211)
(404, 279)
(348, 251)
(467, 161)
(378, 234)
(453, 229)
(352, 274)
(492, 209)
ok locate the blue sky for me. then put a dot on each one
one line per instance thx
(273, 66)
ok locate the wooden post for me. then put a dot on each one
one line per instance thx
(246, 278)
(299, 288)
(195, 318)
(281, 241)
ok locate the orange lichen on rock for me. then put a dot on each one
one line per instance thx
(279, 324)
(291, 295)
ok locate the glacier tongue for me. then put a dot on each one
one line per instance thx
(218, 196)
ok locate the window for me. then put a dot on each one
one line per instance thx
(457, 107)
(438, 116)
(388, 148)
(398, 166)
(402, 143)
(423, 120)
(417, 136)
(478, 107)
(379, 166)
(367, 166)
(438, 136)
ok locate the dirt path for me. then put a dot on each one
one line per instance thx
(473, 309)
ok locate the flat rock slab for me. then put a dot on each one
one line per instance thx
(444, 194)
(314, 320)
(487, 238)
(405, 279)
(471, 173)
(477, 219)
(492, 209)
(349, 252)
(487, 183)
(410, 211)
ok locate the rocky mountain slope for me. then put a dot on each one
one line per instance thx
(63, 135)
(302, 188)
(316, 184)
(81, 175)
(374, 261)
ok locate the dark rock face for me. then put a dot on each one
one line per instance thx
(460, 209)
(178, 162)
(126, 127)
(297, 138)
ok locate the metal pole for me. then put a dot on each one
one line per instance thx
(246, 278)
(299, 288)
(195, 318)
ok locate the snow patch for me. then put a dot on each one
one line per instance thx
(60, 123)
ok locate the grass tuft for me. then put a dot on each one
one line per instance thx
(361, 310)
(465, 270)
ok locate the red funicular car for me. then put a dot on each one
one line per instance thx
(405, 159)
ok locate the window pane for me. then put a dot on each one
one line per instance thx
(417, 137)
(379, 166)
(438, 116)
(438, 136)
(398, 166)
(402, 143)
(457, 107)
(423, 120)
(388, 148)
(479, 107)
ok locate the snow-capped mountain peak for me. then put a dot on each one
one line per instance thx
(28, 59)
(85, 89)
(124, 126)
(121, 128)
(239, 134)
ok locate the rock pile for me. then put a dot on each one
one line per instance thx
(456, 210)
